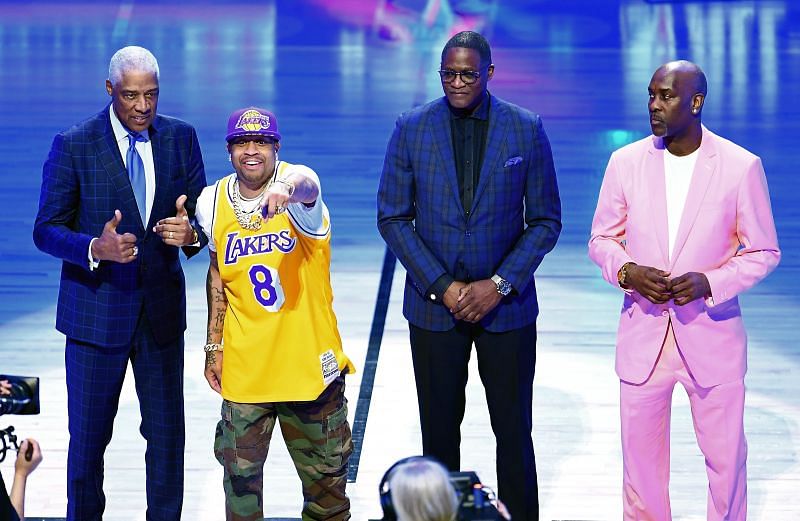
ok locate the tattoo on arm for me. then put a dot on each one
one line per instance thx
(217, 302)
(215, 327)
(211, 358)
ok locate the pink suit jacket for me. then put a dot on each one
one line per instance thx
(726, 232)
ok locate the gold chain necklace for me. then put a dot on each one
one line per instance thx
(248, 220)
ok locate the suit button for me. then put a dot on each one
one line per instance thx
(467, 233)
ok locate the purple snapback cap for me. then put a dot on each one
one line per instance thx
(253, 121)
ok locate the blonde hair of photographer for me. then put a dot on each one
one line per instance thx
(421, 491)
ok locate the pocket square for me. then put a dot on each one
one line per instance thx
(513, 161)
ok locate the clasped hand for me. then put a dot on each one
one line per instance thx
(656, 285)
(473, 301)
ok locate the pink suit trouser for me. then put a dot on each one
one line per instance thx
(717, 413)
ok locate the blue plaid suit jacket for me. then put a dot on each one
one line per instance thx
(84, 180)
(514, 221)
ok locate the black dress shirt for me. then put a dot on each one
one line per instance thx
(468, 130)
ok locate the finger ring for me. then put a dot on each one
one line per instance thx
(171, 235)
(135, 251)
(279, 209)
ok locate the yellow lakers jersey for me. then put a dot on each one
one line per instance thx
(280, 334)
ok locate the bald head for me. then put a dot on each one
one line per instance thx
(677, 93)
(687, 74)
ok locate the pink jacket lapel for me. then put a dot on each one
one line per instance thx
(704, 170)
(658, 196)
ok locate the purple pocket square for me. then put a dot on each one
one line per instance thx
(513, 161)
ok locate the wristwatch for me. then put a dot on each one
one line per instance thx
(622, 274)
(503, 286)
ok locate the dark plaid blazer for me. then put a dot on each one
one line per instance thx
(514, 221)
(84, 180)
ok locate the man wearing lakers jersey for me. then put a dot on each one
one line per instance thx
(270, 308)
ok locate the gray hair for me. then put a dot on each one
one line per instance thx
(131, 58)
(421, 491)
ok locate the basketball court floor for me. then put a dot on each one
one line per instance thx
(337, 73)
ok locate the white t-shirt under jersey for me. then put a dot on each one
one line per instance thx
(307, 218)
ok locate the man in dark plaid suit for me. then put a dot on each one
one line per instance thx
(468, 201)
(117, 200)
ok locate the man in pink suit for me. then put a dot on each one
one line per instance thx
(683, 225)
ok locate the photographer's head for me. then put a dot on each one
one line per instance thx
(418, 489)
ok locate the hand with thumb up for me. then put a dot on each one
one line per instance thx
(112, 246)
(176, 231)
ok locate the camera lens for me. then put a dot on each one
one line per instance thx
(17, 400)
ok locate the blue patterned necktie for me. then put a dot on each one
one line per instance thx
(136, 173)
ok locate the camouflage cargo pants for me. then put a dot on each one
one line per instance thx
(317, 435)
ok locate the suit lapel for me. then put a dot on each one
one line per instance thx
(498, 128)
(657, 191)
(704, 170)
(161, 160)
(443, 143)
(108, 155)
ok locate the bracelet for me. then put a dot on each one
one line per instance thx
(289, 186)
(212, 347)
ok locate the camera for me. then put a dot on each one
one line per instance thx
(20, 396)
(476, 500)
(23, 397)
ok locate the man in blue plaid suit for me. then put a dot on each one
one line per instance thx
(117, 200)
(468, 201)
